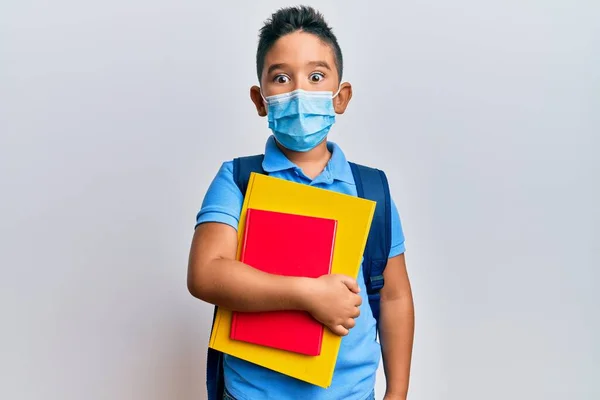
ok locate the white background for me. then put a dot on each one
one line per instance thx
(115, 116)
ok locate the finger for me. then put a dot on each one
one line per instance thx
(358, 301)
(356, 312)
(340, 330)
(350, 323)
(350, 283)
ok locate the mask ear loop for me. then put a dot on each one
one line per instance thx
(263, 97)
(265, 102)
(338, 91)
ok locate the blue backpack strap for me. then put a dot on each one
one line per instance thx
(215, 384)
(243, 166)
(372, 184)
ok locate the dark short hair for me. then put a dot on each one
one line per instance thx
(291, 19)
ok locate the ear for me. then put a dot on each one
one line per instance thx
(258, 101)
(340, 102)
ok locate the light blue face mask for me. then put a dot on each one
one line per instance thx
(300, 120)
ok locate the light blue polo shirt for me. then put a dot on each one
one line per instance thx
(359, 355)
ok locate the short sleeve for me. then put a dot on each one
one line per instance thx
(223, 200)
(398, 246)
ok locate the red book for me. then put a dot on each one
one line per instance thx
(290, 245)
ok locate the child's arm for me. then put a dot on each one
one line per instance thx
(215, 277)
(396, 328)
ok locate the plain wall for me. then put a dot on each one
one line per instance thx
(115, 116)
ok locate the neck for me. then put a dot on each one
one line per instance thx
(312, 162)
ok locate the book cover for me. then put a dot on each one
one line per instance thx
(354, 216)
(289, 245)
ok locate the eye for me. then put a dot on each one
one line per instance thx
(281, 78)
(316, 77)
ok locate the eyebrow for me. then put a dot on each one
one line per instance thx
(274, 67)
(322, 64)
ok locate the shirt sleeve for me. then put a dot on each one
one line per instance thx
(223, 200)
(398, 246)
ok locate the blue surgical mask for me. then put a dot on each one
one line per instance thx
(300, 120)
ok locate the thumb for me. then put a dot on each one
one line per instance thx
(350, 283)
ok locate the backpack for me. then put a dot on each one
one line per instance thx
(371, 184)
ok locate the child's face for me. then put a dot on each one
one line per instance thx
(300, 60)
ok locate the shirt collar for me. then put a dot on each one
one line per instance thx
(337, 166)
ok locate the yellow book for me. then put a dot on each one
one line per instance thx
(354, 216)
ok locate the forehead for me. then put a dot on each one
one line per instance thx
(299, 48)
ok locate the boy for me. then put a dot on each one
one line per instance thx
(299, 65)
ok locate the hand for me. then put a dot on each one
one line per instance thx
(333, 300)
